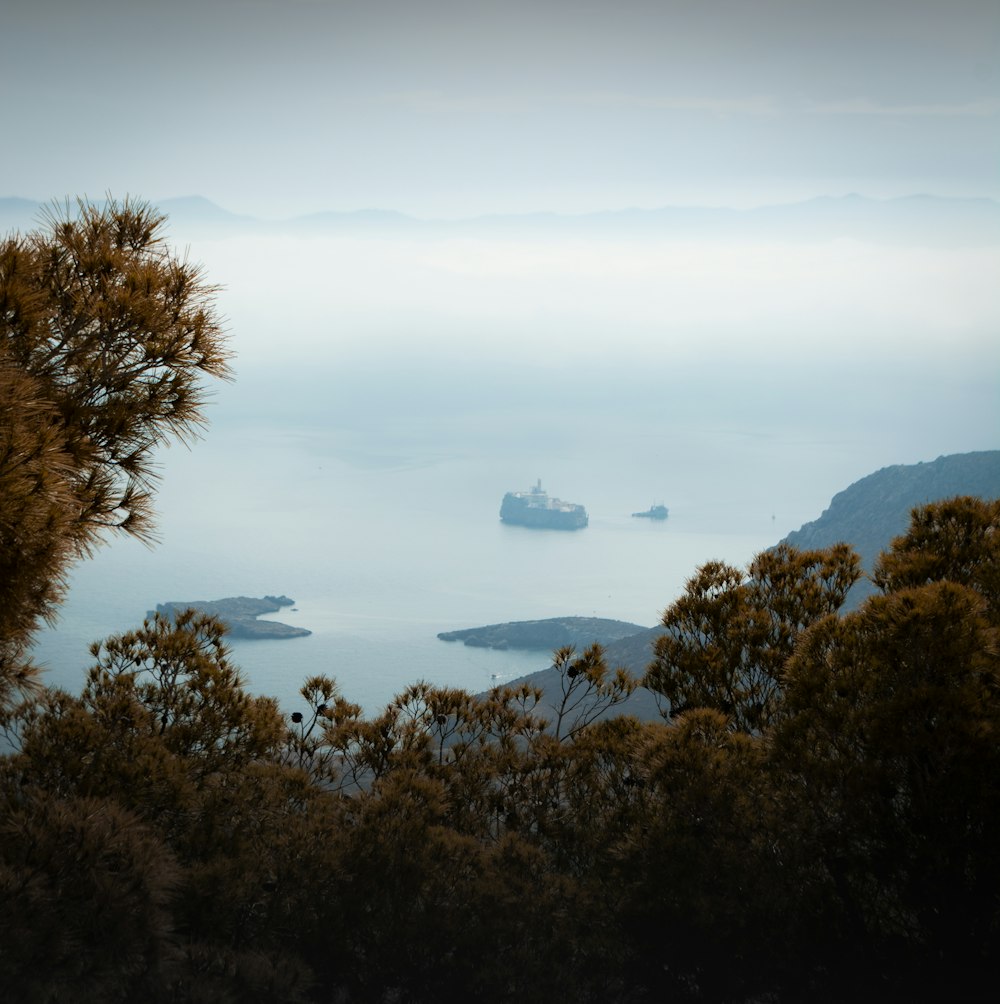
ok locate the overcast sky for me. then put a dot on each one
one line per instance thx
(441, 108)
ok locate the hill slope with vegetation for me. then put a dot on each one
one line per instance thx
(871, 512)
(868, 515)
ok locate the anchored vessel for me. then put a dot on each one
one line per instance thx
(536, 509)
(657, 511)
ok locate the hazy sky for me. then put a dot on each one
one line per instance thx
(434, 107)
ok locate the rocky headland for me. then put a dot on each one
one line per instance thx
(871, 512)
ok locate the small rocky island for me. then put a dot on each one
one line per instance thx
(545, 635)
(240, 615)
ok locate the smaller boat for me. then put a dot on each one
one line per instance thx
(657, 511)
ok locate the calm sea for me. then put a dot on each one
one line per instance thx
(381, 552)
(389, 394)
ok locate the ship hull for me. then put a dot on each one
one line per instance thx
(519, 509)
(655, 512)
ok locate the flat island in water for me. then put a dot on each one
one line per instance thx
(536, 509)
(239, 613)
(545, 635)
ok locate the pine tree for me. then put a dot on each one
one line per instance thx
(105, 335)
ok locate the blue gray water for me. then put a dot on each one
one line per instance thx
(380, 558)
(390, 392)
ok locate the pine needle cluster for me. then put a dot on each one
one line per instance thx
(105, 336)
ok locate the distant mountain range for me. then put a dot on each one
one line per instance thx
(916, 219)
(867, 515)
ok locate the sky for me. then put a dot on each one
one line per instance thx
(448, 108)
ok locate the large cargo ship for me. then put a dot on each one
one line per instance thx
(534, 508)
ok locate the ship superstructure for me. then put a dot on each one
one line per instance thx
(535, 508)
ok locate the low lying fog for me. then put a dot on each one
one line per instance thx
(889, 351)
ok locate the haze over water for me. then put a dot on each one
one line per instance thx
(393, 384)
(390, 390)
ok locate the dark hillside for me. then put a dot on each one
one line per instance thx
(874, 510)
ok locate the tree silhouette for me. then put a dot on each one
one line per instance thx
(729, 636)
(890, 765)
(104, 336)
